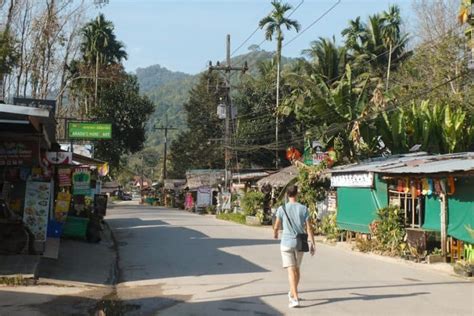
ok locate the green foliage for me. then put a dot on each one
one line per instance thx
(252, 202)
(194, 148)
(389, 231)
(8, 53)
(234, 217)
(128, 112)
(329, 227)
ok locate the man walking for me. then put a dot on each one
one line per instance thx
(300, 223)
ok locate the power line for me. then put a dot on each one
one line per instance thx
(314, 22)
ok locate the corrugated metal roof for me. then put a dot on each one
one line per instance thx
(414, 164)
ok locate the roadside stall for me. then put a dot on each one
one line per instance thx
(202, 187)
(434, 192)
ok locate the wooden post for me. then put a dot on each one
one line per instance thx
(444, 211)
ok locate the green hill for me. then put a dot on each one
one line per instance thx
(169, 90)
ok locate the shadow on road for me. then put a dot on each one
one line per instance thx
(361, 297)
(151, 250)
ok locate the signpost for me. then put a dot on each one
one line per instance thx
(88, 130)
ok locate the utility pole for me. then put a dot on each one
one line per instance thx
(227, 69)
(165, 150)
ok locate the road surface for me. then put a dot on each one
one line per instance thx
(176, 263)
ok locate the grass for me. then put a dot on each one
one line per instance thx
(233, 217)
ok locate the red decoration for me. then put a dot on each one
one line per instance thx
(293, 154)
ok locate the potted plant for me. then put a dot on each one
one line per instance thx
(435, 256)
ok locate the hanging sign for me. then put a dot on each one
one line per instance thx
(353, 180)
(59, 158)
(81, 179)
(86, 130)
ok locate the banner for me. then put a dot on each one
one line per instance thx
(81, 179)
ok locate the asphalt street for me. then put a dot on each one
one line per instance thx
(177, 263)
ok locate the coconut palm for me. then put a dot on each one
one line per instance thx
(328, 59)
(391, 33)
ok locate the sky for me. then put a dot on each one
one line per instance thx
(184, 35)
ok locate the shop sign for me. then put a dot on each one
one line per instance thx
(86, 130)
(353, 180)
(37, 200)
(81, 179)
(59, 158)
(16, 153)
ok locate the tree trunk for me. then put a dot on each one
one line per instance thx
(389, 65)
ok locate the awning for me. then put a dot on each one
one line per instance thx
(83, 160)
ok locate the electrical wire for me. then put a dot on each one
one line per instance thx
(313, 23)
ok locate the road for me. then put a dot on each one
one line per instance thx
(176, 263)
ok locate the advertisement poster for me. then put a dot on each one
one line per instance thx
(37, 202)
(61, 209)
(81, 181)
(64, 177)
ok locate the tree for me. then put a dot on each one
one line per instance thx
(196, 147)
(128, 111)
(274, 22)
(328, 59)
(391, 33)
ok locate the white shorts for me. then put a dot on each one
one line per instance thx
(291, 257)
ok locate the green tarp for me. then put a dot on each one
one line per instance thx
(357, 207)
(461, 210)
(432, 213)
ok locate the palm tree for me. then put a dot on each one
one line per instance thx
(391, 33)
(273, 23)
(328, 59)
(100, 46)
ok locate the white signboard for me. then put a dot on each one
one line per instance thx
(204, 197)
(352, 180)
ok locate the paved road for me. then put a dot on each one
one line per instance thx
(176, 263)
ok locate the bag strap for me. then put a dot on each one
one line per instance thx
(288, 218)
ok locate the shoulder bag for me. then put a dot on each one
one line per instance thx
(301, 239)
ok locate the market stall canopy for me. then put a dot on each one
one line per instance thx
(250, 175)
(280, 178)
(414, 164)
(204, 178)
(83, 160)
(16, 119)
(109, 187)
(174, 184)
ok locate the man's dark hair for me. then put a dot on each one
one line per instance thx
(292, 191)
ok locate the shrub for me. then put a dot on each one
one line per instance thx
(233, 217)
(389, 230)
(329, 226)
(252, 202)
(211, 209)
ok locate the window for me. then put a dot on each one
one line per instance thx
(413, 207)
